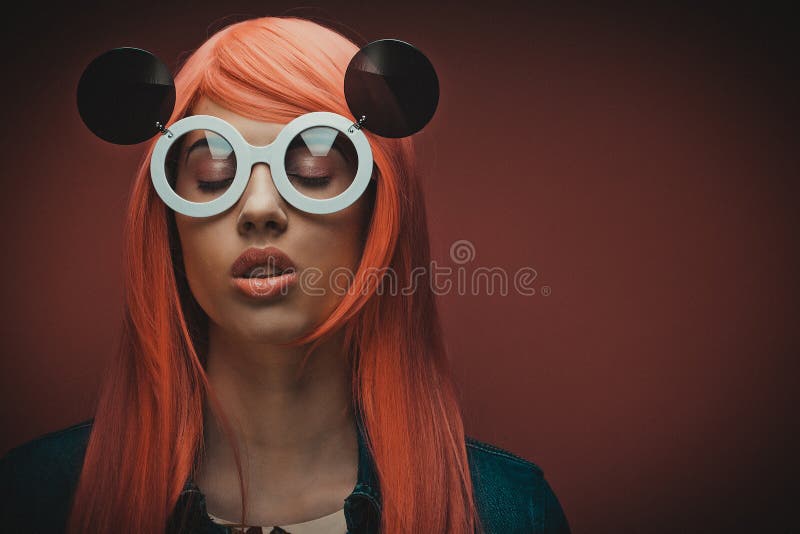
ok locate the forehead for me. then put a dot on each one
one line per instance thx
(255, 132)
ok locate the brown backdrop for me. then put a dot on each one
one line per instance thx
(643, 162)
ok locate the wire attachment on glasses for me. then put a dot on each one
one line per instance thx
(163, 130)
(357, 125)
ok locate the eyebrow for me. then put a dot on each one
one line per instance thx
(203, 141)
(295, 144)
(337, 145)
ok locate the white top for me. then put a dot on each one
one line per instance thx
(327, 524)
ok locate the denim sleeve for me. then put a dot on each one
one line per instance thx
(14, 506)
(37, 480)
(555, 522)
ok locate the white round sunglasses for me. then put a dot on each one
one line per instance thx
(320, 162)
(313, 133)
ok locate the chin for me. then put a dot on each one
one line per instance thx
(272, 326)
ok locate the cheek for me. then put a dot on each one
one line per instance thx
(339, 248)
(200, 248)
(341, 236)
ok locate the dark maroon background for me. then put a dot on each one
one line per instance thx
(643, 161)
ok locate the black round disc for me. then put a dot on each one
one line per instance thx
(394, 85)
(123, 93)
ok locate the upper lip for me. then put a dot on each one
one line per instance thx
(267, 258)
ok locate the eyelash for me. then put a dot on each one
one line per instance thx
(312, 181)
(215, 185)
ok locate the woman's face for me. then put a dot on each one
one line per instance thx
(260, 218)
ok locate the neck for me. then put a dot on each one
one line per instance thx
(284, 421)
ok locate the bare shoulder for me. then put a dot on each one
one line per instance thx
(511, 492)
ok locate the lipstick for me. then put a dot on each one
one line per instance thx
(263, 273)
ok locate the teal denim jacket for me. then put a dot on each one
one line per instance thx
(38, 478)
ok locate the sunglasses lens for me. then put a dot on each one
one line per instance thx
(321, 162)
(200, 165)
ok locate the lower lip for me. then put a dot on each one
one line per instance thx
(266, 288)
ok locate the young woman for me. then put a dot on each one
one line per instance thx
(267, 377)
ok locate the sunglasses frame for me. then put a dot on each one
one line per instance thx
(272, 154)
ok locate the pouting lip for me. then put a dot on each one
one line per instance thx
(268, 257)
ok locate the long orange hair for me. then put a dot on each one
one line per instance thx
(148, 426)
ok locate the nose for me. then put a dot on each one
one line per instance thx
(262, 209)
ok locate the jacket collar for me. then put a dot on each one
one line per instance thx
(362, 508)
